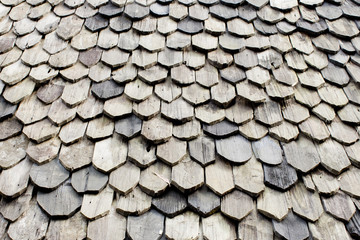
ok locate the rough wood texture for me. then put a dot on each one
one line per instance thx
(352, 226)
(96, 206)
(265, 204)
(13, 151)
(74, 227)
(268, 151)
(219, 177)
(141, 152)
(187, 131)
(157, 130)
(148, 108)
(170, 204)
(155, 179)
(305, 203)
(187, 176)
(41, 131)
(347, 179)
(128, 127)
(73, 131)
(292, 227)
(221, 129)
(14, 180)
(255, 226)
(147, 226)
(112, 226)
(235, 149)
(202, 149)
(253, 130)
(88, 180)
(249, 177)
(45, 151)
(13, 209)
(325, 183)
(100, 128)
(32, 225)
(281, 176)
(9, 128)
(76, 155)
(333, 156)
(49, 175)
(183, 226)
(31, 110)
(60, 114)
(171, 152)
(237, 205)
(135, 203)
(204, 202)
(320, 229)
(217, 227)
(340, 206)
(62, 202)
(125, 178)
(109, 153)
(295, 151)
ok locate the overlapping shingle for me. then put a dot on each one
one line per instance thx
(231, 118)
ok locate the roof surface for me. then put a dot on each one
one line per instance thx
(179, 119)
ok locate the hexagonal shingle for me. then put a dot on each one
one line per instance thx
(268, 113)
(234, 149)
(302, 147)
(100, 128)
(210, 113)
(153, 75)
(204, 42)
(170, 58)
(184, 226)
(172, 151)
(204, 202)
(315, 129)
(136, 203)
(148, 108)
(88, 180)
(49, 175)
(266, 206)
(150, 224)
(76, 155)
(178, 110)
(14, 73)
(41, 131)
(136, 11)
(62, 202)
(219, 177)
(237, 205)
(118, 107)
(202, 150)
(138, 90)
(141, 152)
(12, 151)
(14, 180)
(76, 93)
(281, 176)
(155, 179)
(125, 178)
(97, 205)
(187, 176)
(268, 151)
(69, 27)
(157, 130)
(109, 153)
(153, 42)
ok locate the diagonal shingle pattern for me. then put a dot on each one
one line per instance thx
(179, 119)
